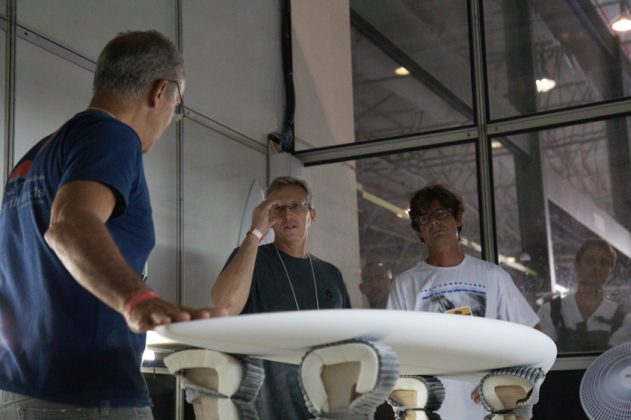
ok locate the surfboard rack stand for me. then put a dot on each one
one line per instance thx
(417, 397)
(511, 392)
(348, 379)
(219, 386)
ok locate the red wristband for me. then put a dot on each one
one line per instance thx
(257, 233)
(136, 300)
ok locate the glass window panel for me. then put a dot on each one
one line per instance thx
(380, 228)
(428, 42)
(543, 55)
(554, 190)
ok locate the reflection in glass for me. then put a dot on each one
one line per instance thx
(384, 187)
(543, 55)
(554, 189)
(586, 319)
(411, 67)
(378, 228)
(375, 284)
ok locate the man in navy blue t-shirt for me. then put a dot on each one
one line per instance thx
(281, 276)
(75, 233)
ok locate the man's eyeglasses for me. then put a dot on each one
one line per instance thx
(439, 214)
(293, 207)
(178, 114)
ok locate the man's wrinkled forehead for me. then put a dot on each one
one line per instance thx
(288, 190)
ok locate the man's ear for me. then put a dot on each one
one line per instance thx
(313, 214)
(158, 92)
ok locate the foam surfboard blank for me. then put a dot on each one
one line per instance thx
(347, 379)
(417, 397)
(511, 391)
(218, 385)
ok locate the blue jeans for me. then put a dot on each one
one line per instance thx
(21, 407)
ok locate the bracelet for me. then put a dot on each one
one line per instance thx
(136, 300)
(257, 233)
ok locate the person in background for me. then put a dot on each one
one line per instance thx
(450, 282)
(75, 234)
(375, 284)
(586, 320)
(281, 276)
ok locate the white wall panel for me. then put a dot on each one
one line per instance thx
(334, 235)
(85, 26)
(49, 90)
(218, 173)
(324, 117)
(233, 60)
(161, 172)
(322, 72)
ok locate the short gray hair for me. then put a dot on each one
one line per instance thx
(133, 60)
(289, 181)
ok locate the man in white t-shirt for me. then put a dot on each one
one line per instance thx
(450, 282)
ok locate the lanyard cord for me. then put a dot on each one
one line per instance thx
(291, 286)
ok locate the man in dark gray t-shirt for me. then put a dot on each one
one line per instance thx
(282, 276)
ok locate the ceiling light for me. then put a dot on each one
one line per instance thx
(401, 71)
(544, 84)
(496, 144)
(622, 22)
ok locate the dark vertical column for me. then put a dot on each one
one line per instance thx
(483, 147)
(528, 171)
(179, 401)
(9, 89)
(618, 147)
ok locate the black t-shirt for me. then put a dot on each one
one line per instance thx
(280, 396)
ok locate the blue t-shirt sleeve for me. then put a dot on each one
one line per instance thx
(108, 152)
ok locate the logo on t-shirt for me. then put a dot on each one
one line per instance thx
(461, 297)
(22, 189)
(463, 310)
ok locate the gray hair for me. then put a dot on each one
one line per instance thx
(289, 181)
(133, 60)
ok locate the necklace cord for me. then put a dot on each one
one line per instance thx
(291, 286)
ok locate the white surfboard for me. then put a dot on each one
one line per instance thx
(426, 343)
